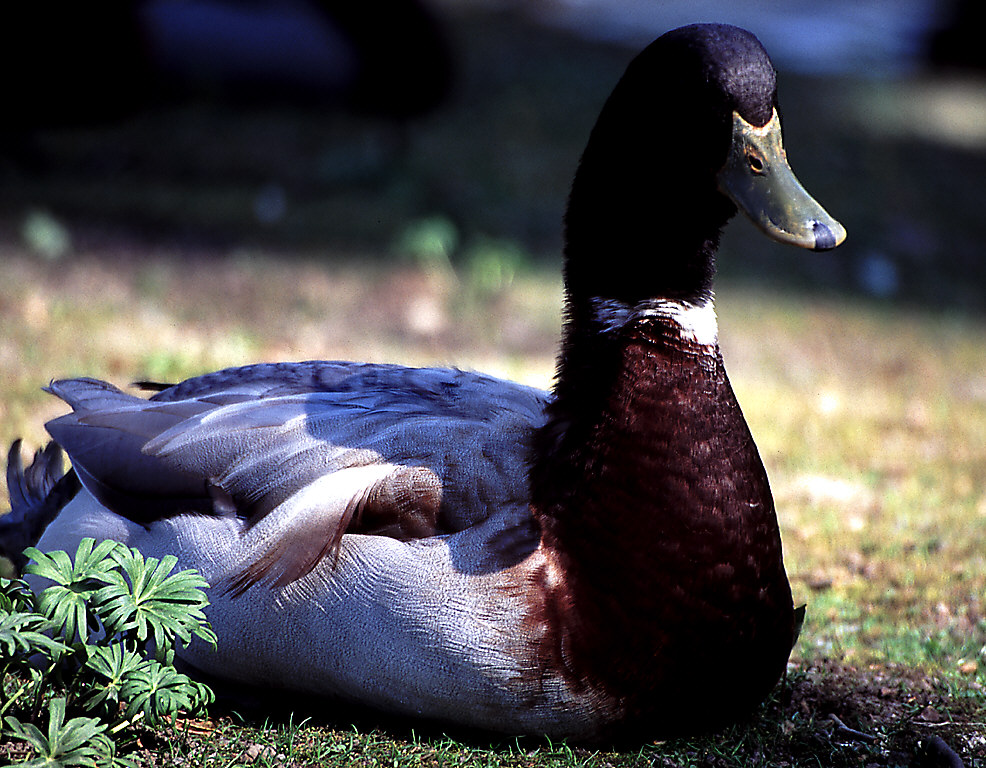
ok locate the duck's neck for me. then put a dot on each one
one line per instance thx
(655, 505)
(632, 378)
(640, 256)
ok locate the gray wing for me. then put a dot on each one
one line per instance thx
(384, 449)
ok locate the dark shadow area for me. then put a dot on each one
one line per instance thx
(486, 152)
(823, 712)
(271, 708)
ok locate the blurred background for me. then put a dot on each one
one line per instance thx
(192, 184)
(219, 124)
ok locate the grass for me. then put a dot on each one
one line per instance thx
(133, 252)
(872, 427)
(796, 728)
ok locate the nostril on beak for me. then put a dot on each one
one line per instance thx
(824, 237)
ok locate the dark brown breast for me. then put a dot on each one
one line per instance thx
(675, 601)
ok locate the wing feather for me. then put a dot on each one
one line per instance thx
(320, 448)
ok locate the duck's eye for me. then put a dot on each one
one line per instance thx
(756, 163)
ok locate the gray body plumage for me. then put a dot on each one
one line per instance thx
(445, 613)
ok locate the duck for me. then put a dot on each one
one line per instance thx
(596, 562)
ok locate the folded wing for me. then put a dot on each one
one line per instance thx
(332, 448)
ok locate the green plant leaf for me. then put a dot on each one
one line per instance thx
(159, 692)
(112, 760)
(30, 733)
(65, 603)
(80, 741)
(15, 596)
(21, 635)
(137, 602)
(152, 604)
(91, 562)
(110, 667)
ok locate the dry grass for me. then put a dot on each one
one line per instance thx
(873, 428)
(162, 316)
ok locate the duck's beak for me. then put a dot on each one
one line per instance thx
(759, 180)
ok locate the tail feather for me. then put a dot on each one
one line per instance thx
(37, 494)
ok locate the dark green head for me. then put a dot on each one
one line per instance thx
(689, 133)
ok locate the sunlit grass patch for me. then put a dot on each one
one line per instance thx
(872, 424)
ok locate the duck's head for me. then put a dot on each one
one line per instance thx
(690, 134)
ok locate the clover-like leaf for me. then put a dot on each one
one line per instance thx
(65, 603)
(153, 604)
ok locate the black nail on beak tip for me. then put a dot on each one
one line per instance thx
(824, 237)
